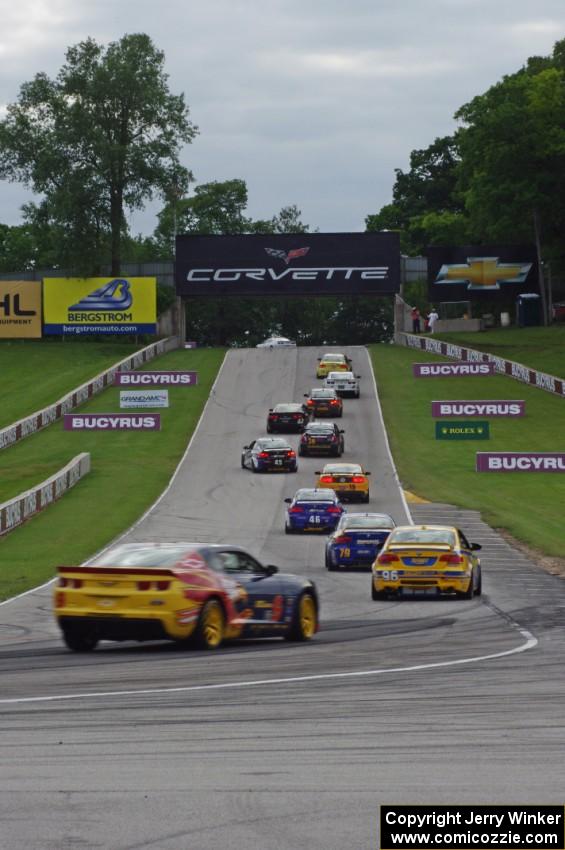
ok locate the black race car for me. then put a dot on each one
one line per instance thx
(324, 402)
(322, 438)
(269, 454)
(287, 417)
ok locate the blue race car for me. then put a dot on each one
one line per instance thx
(357, 540)
(269, 454)
(313, 510)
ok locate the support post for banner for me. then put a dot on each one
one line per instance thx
(541, 279)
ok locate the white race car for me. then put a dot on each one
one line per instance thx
(344, 383)
(277, 342)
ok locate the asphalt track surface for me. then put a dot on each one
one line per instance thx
(273, 745)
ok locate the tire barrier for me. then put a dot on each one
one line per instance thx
(21, 508)
(518, 371)
(42, 418)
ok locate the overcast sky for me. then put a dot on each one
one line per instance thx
(311, 102)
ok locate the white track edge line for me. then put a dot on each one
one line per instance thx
(530, 643)
(149, 510)
(389, 452)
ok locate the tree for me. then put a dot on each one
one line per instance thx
(513, 158)
(216, 208)
(430, 186)
(102, 137)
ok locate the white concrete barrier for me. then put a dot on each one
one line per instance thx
(42, 418)
(19, 509)
(541, 380)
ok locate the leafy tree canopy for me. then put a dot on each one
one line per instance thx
(102, 137)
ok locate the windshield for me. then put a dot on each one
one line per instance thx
(142, 556)
(287, 408)
(275, 443)
(382, 521)
(424, 536)
(323, 393)
(342, 469)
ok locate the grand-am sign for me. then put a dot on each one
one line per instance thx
(478, 408)
(520, 462)
(288, 264)
(452, 370)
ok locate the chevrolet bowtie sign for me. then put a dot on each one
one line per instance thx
(288, 264)
(485, 272)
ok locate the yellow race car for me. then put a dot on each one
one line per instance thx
(349, 480)
(430, 559)
(332, 363)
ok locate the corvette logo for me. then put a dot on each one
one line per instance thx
(481, 273)
(282, 255)
(112, 296)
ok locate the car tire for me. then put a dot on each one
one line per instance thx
(242, 462)
(336, 453)
(329, 563)
(300, 451)
(211, 625)
(470, 592)
(288, 529)
(253, 467)
(366, 498)
(269, 429)
(79, 638)
(305, 618)
(479, 587)
(377, 595)
(294, 468)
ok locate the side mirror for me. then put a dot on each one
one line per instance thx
(270, 569)
(317, 472)
(288, 501)
(475, 547)
(341, 431)
(305, 395)
(270, 410)
(358, 376)
(246, 447)
(367, 473)
(319, 358)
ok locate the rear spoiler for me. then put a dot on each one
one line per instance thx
(147, 571)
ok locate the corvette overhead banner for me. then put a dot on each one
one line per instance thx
(294, 264)
(99, 305)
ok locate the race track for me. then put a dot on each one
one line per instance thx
(273, 745)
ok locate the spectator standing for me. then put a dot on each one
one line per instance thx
(415, 314)
(432, 319)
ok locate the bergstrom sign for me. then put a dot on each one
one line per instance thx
(288, 264)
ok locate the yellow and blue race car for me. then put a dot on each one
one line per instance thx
(180, 592)
(349, 480)
(332, 362)
(427, 559)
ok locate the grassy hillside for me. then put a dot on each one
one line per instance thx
(539, 348)
(530, 506)
(129, 471)
(36, 373)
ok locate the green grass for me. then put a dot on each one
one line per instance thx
(529, 506)
(538, 348)
(129, 471)
(36, 373)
